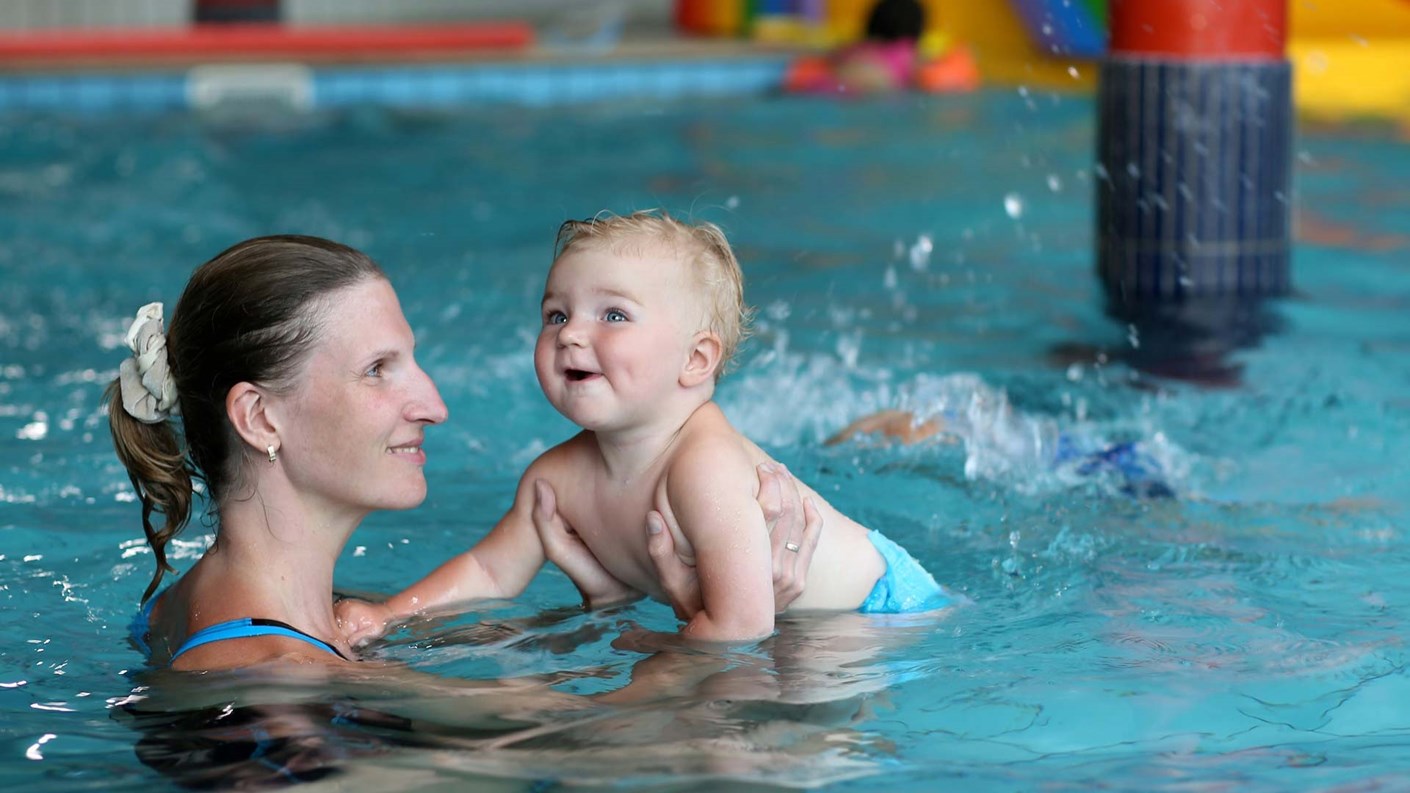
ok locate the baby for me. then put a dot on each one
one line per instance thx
(641, 314)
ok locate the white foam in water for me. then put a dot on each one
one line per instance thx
(785, 399)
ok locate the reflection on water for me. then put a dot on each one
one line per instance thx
(795, 711)
(1195, 340)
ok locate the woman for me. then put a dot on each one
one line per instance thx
(302, 409)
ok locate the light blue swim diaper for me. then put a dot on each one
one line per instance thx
(905, 587)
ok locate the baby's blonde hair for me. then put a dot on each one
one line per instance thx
(702, 245)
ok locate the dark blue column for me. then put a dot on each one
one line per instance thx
(1194, 190)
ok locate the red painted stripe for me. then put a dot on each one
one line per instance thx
(234, 40)
(1199, 29)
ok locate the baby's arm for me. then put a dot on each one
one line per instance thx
(499, 566)
(795, 527)
(712, 486)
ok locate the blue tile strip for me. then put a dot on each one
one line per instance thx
(535, 84)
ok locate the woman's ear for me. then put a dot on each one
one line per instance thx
(248, 408)
(702, 360)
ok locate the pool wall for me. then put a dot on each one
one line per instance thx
(439, 85)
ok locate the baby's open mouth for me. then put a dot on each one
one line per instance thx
(577, 375)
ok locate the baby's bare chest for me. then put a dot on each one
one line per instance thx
(612, 524)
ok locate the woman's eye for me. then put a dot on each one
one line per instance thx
(555, 318)
(375, 370)
(613, 315)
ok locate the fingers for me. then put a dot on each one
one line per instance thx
(545, 502)
(772, 478)
(659, 542)
(808, 542)
(677, 578)
(553, 532)
(783, 511)
(794, 557)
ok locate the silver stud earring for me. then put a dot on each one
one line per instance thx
(273, 455)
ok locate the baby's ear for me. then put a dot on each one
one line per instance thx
(702, 360)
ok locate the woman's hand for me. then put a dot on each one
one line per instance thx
(795, 526)
(565, 548)
(794, 523)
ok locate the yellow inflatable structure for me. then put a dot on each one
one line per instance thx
(1351, 58)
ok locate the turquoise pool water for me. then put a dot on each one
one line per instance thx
(1243, 634)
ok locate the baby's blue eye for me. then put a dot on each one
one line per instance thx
(613, 315)
(555, 318)
(375, 370)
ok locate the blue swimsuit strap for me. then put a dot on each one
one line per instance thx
(141, 625)
(249, 627)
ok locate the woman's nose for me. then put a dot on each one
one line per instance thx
(427, 404)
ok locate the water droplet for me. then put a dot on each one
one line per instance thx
(1013, 205)
(732, 202)
(1072, 70)
(920, 253)
(1055, 183)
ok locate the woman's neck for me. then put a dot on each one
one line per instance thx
(277, 561)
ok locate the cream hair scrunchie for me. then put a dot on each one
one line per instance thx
(148, 390)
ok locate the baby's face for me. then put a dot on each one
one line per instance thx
(616, 333)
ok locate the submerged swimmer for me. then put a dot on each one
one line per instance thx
(1001, 441)
(288, 386)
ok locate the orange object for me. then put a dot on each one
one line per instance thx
(954, 72)
(808, 73)
(262, 40)
(1199, 29)
(726, 17)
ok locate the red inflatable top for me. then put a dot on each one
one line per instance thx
(1199, 29)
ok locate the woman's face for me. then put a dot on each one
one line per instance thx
(352, 429)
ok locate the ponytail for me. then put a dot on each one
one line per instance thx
(155, 463)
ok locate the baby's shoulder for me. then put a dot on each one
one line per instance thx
(709, 446)
(573, 456)
(709, 432)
